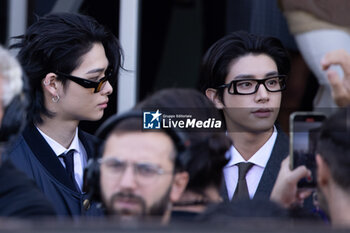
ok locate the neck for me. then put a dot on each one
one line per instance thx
(339, 205)
(248, 143)
(61, 131)
(167, 215)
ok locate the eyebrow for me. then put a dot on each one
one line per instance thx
(271, 73)
(97, 70)
(250, 76)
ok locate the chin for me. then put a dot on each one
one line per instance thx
(95, 117)
(259, 128)
(262, 124)
(128, 213)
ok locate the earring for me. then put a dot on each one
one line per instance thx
(46, 83)
(56, 98)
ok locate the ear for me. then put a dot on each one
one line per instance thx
(179, 185)
(323, 172)
(212, 94)
(50, 84)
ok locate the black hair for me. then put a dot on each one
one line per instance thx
(217, 59)
(334, 147)
(56, 42)
(206, 157)
(134, 124)
(207, 161)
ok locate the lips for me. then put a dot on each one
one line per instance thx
(104, 104)
(127, 204)
(262, 112)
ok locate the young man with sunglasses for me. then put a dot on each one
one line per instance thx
(72, 62)
(244, 74)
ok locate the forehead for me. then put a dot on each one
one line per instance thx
(94, 58)
(153, 147)
(251, 65)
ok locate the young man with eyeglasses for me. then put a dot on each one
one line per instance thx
(140, 175)
(72, 62)
(244, 74)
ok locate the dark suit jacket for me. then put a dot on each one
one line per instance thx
(279, 152)
(19, 195)
(32, 155)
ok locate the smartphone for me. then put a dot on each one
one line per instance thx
(304, 133)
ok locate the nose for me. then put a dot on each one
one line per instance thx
(107, 89)
(262, 95)
(128, 179)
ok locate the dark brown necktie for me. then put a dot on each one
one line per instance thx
(242, 188)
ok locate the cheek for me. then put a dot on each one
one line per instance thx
(78, 95)
(237, 114)
(156, 192)
(236, 101)
(82, 105)
(277, 99)
(107, 185)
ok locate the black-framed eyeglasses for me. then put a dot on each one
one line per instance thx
(145, 173)
(250, 86)
(88, 83)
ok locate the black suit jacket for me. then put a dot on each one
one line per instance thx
(33, 155)
(279, 152)
(19, 195)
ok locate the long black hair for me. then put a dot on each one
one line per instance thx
(56, 42)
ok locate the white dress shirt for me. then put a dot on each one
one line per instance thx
(259, 159)
(80, 156)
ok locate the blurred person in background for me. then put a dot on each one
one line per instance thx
(332, 163)
(340, 86)
(206, 155)
(319, 26)
(285, 191)
(19, 195)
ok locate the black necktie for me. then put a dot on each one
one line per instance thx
(242, 188)
(68, 159)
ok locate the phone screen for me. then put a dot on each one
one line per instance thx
(305, 132)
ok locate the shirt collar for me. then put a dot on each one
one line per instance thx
(260, 158)
(58, 148)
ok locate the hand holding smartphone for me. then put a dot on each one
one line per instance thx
(304, 132)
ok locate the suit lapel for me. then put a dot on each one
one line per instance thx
(90, 143)
(279, 152)
(223, 190)
(46, 155)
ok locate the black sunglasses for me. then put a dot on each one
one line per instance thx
(88, 83)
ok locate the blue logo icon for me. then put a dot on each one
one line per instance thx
(151, 120)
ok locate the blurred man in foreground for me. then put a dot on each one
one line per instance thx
(138, 170)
